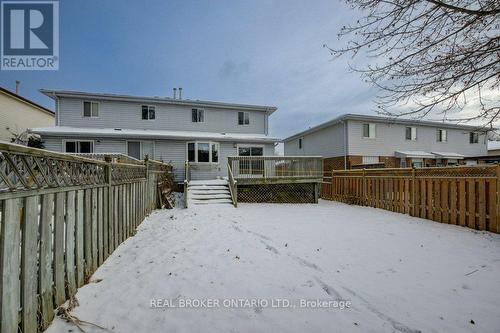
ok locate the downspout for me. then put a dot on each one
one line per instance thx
(345, 144)
(56, 99)
(266, 123)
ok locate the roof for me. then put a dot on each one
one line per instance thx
(150, 134)
(380, 119)
(413, 154)
(160, 100)
(25, 100)
(448, 155)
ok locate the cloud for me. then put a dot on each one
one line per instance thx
(231, 70)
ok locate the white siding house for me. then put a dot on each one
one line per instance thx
(356, 140)
(171, 130)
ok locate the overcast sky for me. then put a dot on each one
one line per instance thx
(257, 52)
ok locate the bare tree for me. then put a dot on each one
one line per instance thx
(429, 56)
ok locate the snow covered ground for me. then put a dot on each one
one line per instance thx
(400, 274)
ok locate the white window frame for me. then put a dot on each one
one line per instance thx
(148, 106)
(91, 102)
(141, 151)
(370, 159)
(249, 145)
(246, 116)
(440, 137)
(210, 157)
(477, 136)
(77, 141)
(197, 116)
(372, 131)
(413, 133)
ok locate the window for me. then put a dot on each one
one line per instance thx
(83, 147)
(417, 162)
(197, 116)
(473, 137)
(243, 118)
(402, 163)
(203, 152)
(148, 112)
(370, 159)
(369, 131)
(90, 109)
(411, 133)
(139, 149)
(300, 143)
(441, 135)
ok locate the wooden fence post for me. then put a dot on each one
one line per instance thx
(148, 195)
(364, 188)
(413, 206)
(109, 248)
(498, 200)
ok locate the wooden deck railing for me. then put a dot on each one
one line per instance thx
(61, 216)
(465, 196)
(276, 167)
(233, 189)
(115, 157)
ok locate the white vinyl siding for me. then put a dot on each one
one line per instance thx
(119, 114)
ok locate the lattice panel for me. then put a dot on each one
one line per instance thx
(27, 172)
(277, 193)
(120, 173)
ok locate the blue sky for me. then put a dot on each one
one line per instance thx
(257, 52)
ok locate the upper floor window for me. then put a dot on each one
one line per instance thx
(442, 136)
(411, 133)
(243, 118)
(148, 112)
(300, 143)
(197, 115)
(368, 130)
(83, 147)
(90, 109)
(473, 137)
(203, 152)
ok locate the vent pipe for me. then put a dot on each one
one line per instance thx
(18, 83)
(180, 93)
(175, 93)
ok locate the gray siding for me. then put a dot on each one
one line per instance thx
(168, 151)
(116, 114)
(327, 142)
(391, 137)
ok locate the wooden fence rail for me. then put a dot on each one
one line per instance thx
(61, 216)
(465, 196)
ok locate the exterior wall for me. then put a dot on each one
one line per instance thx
(18, 116)
(117, 114)
(391, 137)
(168, 151)
(327, 142)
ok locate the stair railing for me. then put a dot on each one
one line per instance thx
(233, 188)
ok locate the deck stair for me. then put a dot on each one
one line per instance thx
(207, 192)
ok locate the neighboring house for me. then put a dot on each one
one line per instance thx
(357, 141)
(18, 114)
(494, 148)
(167, 129)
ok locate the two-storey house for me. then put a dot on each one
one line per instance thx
(357, 141)
(167, 129)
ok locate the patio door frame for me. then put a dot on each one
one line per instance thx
(250, 165)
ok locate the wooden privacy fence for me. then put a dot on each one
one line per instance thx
(61, 216)
(465, 196)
